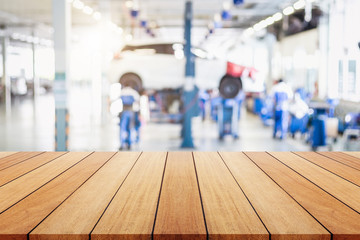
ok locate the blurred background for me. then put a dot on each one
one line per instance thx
(256, 75)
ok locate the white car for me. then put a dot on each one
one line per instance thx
(162, 66)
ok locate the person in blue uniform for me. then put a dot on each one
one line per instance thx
(282, 95)
(130, 99)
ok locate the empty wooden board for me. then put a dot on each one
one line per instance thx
(282, 216)
(179, 214)
(24, 167)
(5, 154)
(77, 216)
(340, 220)
(342, 170)
(16, 190)
(131, 213)
(19, 220)
(342, 189)
(343, 158)
(16, 158)
(228, 213)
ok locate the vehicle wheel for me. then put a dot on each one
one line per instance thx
(131, 80)
(230, 86)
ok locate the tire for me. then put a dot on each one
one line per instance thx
(230, 86)
(131, 80)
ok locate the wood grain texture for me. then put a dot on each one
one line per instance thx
(179, 214)
(282, 216)
(343, 158)
(340, 220)
(18, 170)
(77, 216)
(5, 154)
(349, 173)
(16, 190)
(132, 211)
(228, 214)
(343, 190)
(18, 221)
(354, 154)
(16, 158)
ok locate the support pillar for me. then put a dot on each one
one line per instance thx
(5, 78)
(35, 77)
(190, 90)
(62, 27)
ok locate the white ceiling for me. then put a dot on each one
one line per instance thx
(29, 14)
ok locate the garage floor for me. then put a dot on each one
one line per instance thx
(31, 129)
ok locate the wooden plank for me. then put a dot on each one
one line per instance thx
(343, 190)
(354, 154)
(5, 154)
(77, 216)
(283, 217)
(349, 173)
(16, 158)
(340, 220)
(19, 220)
(343, 158)
(131, 213)
(179, 214)
(228, 213)
(22, 168)
(16, 190)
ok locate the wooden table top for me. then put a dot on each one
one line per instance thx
(179, 195)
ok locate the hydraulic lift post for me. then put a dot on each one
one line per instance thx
(190, 91)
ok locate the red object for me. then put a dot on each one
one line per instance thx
(234, 70)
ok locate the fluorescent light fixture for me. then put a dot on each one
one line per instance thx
(78, 4)
(260, 25)
(289, 10)
(269, 21)
(88, 10)
(129, 4)
(277, 16)
(97, 16)
(299, 4)
(248, 32)
(226, 5)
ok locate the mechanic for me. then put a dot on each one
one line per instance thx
(130, 100)
(282, 94)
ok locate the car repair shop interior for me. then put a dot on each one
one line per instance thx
(204, 83)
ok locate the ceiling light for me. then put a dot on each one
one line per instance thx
(78, 4)
(269, 21)
(129, 4)
(299, 4)
(250, 31)
(289, 10)
(226, 5)
(88, 10)
(277, 16)
(97, 16)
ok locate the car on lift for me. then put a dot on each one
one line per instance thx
(159, 66)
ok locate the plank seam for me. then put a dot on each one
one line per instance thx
(331, 235)
(33, 169)
(338, 161)
(201, 201)
(114, 195)
(28, 235)
(349, 155)
(158, 201)
(44, 184)
(326, 169)
(26, 159)
(314, 184)
(245, 195)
